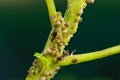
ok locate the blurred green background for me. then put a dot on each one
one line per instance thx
(24, 28)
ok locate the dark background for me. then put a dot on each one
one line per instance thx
(24, 28)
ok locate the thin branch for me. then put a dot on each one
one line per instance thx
(73, 16)
(80, 58)
(51, 7)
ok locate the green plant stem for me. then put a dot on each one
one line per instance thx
(48, 62)
(72, 14)
(85, 57)
(51, 7)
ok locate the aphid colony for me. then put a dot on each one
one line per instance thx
(38, 67)
(60, 35)
(49, 74)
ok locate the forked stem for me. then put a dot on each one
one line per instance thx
(85, 57)
(49, 61)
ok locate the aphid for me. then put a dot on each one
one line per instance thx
(90, 1)
(43, 78)
(64, 30)
(54, 53)
(74, 60)
(33, 72)
(59, 58)
(51, 51)
(52, 18)
(54, 34)
(62, 20)
(57, 24)
(48, 50)
(80, 19)
(84, 6)
(60, 43)
(67, 24)
(59, 37)
(34, 62)
(57, 68)
(65, 53)
(59, 13)
(80, 12)
(50, 73)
